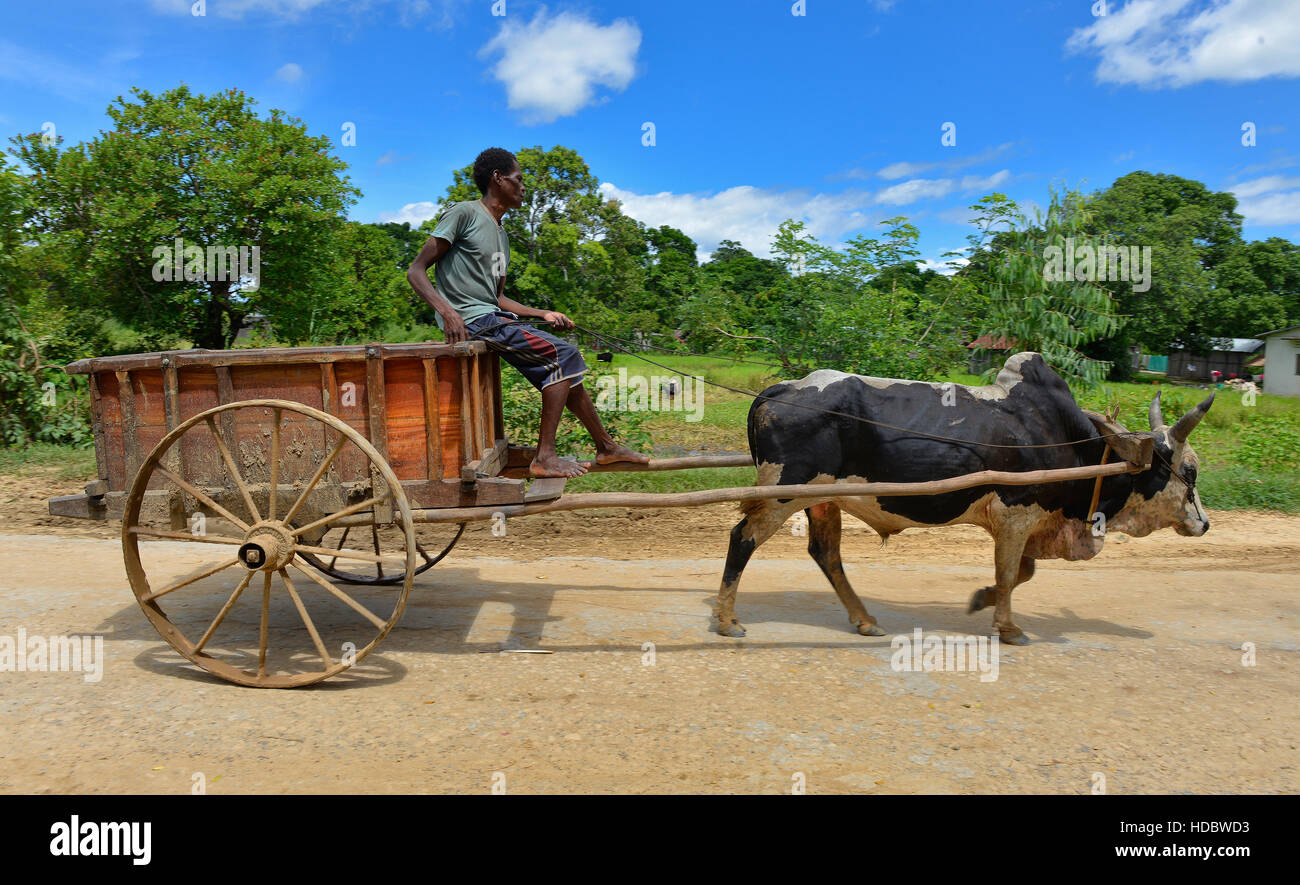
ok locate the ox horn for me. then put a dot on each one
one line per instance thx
(1188, 422)
(1153, 414)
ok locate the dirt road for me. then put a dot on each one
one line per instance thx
(1136, 674)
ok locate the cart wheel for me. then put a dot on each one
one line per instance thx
(266, 551)
(380, 539)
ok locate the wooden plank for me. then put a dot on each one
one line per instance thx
(267, 356)
(377, 423)
(481, 440)
(467, 449)
(226, 420)
(432, 419)
(489, 464)
(97, 428)
(329, 393)
(548, 488)
(498, 408)
(130, 434)
(177, 502)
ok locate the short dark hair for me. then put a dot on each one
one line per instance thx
(492, 160)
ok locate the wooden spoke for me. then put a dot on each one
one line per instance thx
(186, 536)
(374, 533)
(343, 597)
(346, 511)
(234, 471)
(266, 618)
(203, 498)
(340, 554)
(342, 541)
(275, 466)
(225, 487)
(225, 610)
(306, 619)
(320, 471)
(190, 580)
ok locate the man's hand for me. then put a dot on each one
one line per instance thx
(453, 328)
(555, 318)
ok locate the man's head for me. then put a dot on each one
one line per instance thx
(496, 169)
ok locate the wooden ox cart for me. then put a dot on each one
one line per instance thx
(314, 465)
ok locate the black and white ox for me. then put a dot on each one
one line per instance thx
(1025, 410)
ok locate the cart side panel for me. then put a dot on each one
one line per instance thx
(302, 441)
(196, 391)
(110, 418)
(150, 416)
(352, 409)
(404, 418)
(449, 406)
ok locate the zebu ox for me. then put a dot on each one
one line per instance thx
(1027, 407)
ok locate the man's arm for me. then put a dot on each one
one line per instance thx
(551, 316)
(418, 276)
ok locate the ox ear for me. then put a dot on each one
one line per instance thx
(1136, 448)
(1188, 422)
(1156, 419)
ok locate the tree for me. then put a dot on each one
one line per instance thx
(209, 171)
(1032, 308)
(1191, 231)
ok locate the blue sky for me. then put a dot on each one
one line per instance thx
(834, 116)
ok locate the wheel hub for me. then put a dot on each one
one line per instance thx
(268, 547)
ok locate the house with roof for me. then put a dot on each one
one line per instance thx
(1281, 361)
(1229, 358)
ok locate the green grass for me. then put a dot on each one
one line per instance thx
(66, 462)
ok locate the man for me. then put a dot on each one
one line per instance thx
(472, 253)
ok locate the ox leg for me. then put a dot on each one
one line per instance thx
(824, 547)
(757, 526)
(1011, 569)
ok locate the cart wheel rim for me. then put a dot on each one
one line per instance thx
(264, 559)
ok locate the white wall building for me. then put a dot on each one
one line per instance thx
(1282, 361)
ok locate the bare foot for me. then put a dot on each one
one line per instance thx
(555, 466)
(621, 453)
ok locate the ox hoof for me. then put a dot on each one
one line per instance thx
(978, 600)
(1017, 638)
(731, 628)
(870, 630)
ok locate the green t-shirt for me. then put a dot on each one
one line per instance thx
(480, 253)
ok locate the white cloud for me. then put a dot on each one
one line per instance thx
(1176, 43)
(416, 213)
(552, 66)
(748, 215)
(894, 171)
(1264, 185)
(931, 188)
(289, 73)
(1273, 199)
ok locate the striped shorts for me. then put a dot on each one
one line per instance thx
(539, 356)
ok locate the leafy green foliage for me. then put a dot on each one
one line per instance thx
(207, 170)
(1031, 309)
(522, 410)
